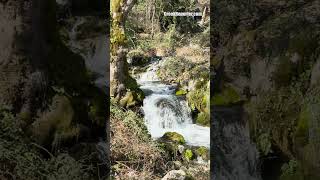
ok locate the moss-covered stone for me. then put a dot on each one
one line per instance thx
(181, 92)
(55, 124)
(132, 85)
(128, 100)
(202, 152)
(227, 96)
(174, 137)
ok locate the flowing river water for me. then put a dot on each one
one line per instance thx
(166, 112)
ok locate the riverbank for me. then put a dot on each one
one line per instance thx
(136, 155)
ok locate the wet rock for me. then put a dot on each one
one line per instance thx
(128, 100)
(203, 153)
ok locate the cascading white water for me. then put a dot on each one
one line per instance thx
(93, 50)
(166, 112)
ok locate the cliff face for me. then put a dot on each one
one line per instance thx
(268, 52)
(48, 87)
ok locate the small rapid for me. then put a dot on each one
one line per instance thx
(166, 112)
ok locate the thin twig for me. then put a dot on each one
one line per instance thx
(40, 147)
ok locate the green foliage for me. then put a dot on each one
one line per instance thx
(202, 152)
(172, 38)
(203, 119)
(22, 159)
(197, 99)
(188, 154)
(174, 137)
(132, 147)
(226, 97)
(9, 126)
(132, 120)
(183, 24)
(264, 144)
(273, 117)
(291, 171)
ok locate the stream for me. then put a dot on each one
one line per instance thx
(166, 112)
(93, 50)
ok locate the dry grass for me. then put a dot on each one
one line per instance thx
(133, 154)
(194, 54)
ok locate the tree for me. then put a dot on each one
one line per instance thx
(121, 82)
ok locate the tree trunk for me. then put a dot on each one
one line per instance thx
(119, 74)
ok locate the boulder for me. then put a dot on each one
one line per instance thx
(173, 137)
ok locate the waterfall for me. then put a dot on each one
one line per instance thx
(94, 51)
(235, 157)
(166, 112)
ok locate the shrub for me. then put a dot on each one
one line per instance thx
(188, 155)
(203, 119)
(291, 171)
(22, 159)
(133, 153)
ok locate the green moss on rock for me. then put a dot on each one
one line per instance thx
(55, 122)
(202, 152)
(128, 100)
(132, 85)
(174, 137)
(228, 96)
(181, 92)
